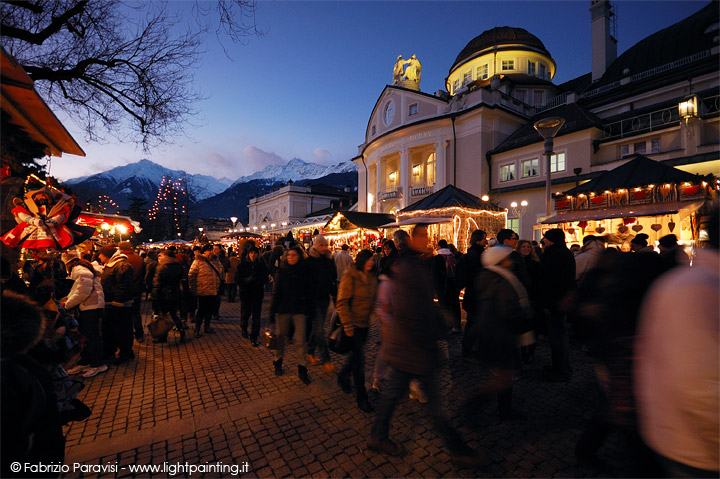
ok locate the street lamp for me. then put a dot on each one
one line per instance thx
(519, 212)
(548, 128)
(485, 198)
(234, 220)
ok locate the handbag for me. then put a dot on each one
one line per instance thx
(160, 325)
(338, 341)
(269, 339)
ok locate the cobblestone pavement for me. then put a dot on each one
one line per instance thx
(216, 400)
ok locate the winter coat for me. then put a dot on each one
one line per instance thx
(138, 266)
(356, 298)
(252, 276)
(443, 273)
(323, 275)
(466, 270)
(500, 319)
(291, 290)
(232, 269)
(117, 281)
(87, 291)
(205, 276)
(343, 261)
(586, 260)
(410, 345)
(558, 274)
(167, 280)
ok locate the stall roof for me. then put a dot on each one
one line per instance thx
(641, 171)
(427, 220)
(371, 221)
(28, 110)
(653, 209)
(448, 197)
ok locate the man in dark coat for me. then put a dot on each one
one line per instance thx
(468, 268)
(166, 291)
(139, 272)
(252, 275)
(508, 237)
(323, 278)
(558, 279)
(411, 351)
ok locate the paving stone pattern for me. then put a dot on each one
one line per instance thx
(216, 400)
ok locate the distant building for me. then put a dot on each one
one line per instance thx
(293, 204)
(478, 133)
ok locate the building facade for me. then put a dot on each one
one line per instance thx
(478, 133)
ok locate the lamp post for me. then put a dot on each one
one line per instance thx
(519, 212)
(548, 128)
(234, 220)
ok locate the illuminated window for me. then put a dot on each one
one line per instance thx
(417, 173)
(532, 68)
(530, 168)
(508, 64)
(507, 172)
(430, 170)
(467, 77)
(640, 147)
(413, 109)
(392, 179)
(557, 162)
(542, 71)
(456, 86)
(514, 224)
(481, 73)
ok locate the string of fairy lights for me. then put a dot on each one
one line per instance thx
(171, 201)
(106, 205)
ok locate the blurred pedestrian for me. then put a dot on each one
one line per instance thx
(289, 306)
(532, 264)
(204, 279)
(467, 269)
(410, 349)
(446, 290)
(119, 289)
(677, 367)
(230, 284)
(558, 279)
(343, 261)
(138, 266)
(167, 292)
(323, 283)
(671, 253)
(356, 298)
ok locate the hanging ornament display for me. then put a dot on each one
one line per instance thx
(622, 229)
(637, 228)
(656, 227)
(671, 224)
(600, 229)
(571, 231)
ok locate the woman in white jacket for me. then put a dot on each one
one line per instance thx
(87, 295)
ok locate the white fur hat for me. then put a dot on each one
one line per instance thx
(495, 255)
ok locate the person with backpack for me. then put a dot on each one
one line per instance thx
(448, 294)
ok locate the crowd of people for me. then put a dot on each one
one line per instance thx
(656, 361)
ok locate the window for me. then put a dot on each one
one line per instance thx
(530, 168)
(467, 77)
(538, 97)
(430, 170)
(392, 179)
(514, 224)
(532, 68)
(508, 64)
(557, 162)
(520, 95)
(507, 172)
(639, 147)
(542, 71)
(417, 173)
(413, 109)
(655, 145)
(482, 72)
(456, 86)
(625, 150)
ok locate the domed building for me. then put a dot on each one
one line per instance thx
(477, 133)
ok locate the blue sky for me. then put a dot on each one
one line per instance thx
(307, 87)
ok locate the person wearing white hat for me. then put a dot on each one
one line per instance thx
(504, 313)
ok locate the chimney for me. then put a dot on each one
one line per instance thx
(604, 46)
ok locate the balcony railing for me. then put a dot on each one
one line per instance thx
(390, 193)
(421, 189)
(642, 123)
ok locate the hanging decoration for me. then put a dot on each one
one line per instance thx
(170, 206)
(637, 228)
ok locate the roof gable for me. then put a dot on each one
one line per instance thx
(448, 197)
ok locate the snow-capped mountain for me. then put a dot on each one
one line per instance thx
(297, 169)
(147, 175)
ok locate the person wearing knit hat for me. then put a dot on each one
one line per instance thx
(504, 310)
(671, 253)
(558, 279)
(117, 284)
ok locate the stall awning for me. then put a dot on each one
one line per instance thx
(654, 209)
(417, 220)
(357, 219)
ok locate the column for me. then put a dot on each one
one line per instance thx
(363, 187)
(441, 164)
(379, 181)
(405, 176)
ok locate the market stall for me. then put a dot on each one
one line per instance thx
(641, 195)
(452, 214)
(356, 229)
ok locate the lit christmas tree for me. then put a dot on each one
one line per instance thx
(168, 213)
